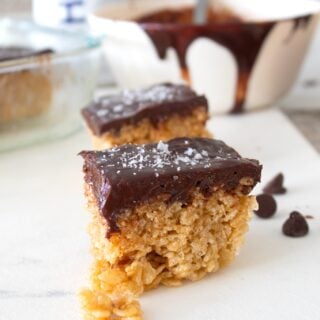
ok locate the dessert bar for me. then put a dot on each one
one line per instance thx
(160, 112)
(165, 212)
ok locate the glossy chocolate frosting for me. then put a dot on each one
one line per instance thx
(175, 29)
(131, 106)
(15, 52)
(123, 177)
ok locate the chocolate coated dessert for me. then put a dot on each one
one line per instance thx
(155, 103)
(163, 213)
(126, 176)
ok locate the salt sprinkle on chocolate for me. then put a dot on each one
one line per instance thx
(102, 112)
(160, 157)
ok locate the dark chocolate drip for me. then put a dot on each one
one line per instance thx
(167, 29)
(299, 23)
(15, 52)
(122, 178)
(243, 40)
(155, 103)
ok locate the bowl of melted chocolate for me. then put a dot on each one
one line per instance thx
(242, 57)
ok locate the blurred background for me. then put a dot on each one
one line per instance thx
(9, 6)
(301, 104)
(309, 75)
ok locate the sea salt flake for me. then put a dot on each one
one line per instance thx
(158, 163)
(183, 159)
(204, 153)
(163, 147)
(117, 108)
(189, 151)
(102, 112)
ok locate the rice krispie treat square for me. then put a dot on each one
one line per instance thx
(165, 212)
(160, 112)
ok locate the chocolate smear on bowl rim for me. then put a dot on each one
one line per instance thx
(267, 206)
(174, 29)
(275, 185)
(295, 226)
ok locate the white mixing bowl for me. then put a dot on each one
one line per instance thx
(238, 65)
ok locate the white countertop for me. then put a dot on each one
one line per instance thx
(44, 246)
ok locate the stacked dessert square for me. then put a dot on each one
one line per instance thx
(160, 112)
(163, 212)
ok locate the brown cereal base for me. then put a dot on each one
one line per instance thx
(144, 132)
(166, 245)
(24, 94)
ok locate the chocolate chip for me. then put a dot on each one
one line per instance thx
(275, 186)
(308, 216)
(310, 83)
(296, 225)
(267, 206)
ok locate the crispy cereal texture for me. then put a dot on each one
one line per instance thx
(144, 132)
(161, 244)
(165, 245)
(97, 305)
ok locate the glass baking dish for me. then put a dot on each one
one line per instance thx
(40, 96)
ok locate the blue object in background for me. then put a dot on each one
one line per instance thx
(70, 14)
(70, 6)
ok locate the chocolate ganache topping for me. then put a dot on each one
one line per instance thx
(175, 29)
(15, 52)
(155, 103)
(122, 178)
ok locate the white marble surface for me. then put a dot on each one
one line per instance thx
(43, 243)
(44, 246)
